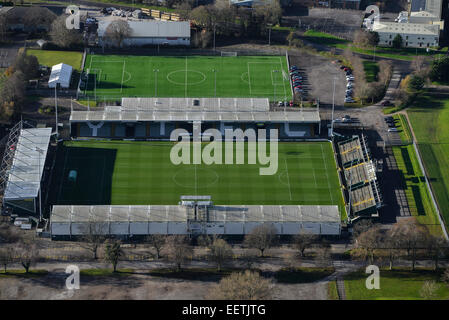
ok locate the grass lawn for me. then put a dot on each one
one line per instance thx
(113, 76)
(106, 272)
(325, 38)
(141, 173)
(371, 70)
(415, 187)
(50, 58)
(429, 117)
(403, 127)
(303, 275)
(21, 273)
(397, 284)
(332, 292)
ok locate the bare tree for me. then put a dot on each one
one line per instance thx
(261, 237)
(436, 247)
(428, 290)
(243, 286)
(418, 63)
(28, 254)
(6, 257)
(157, 241)
(220, 252)
(411, 237)
(62, 36)
(113, 252)
(369, 241)
(117, 31)
(361, 226)
(94, 235)
(304, 241)
(178, 250)
(391, 245)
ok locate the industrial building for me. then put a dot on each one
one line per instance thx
(156, 118)
(192, 218)
(149, 32)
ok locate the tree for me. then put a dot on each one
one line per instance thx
(392, 246)
(369, 241)
(6, 256)
(439, 71)
(304, 241)
(243, 286)
(117, 31)
(411, 237)
(12, 95)
(261, 237)
(28, 254)
(178, 250)
(113, 252)
(415, 84)
(220, 252)
(418, 63)
(38, 18)
(62, 36)
(436, 246)
(361, 226)
(366, 38)
(157, 241)
(397, 42)
(27, 64)
(94, 234)
(428, 290)
(445, 276)
(248, 258)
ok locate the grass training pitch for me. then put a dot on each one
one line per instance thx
(113, 76)
(141, 173)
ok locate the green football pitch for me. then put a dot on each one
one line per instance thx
(138, 173)
(113, 76)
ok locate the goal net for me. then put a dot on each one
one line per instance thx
(228, 54)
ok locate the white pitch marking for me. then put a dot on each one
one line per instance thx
(288, 179)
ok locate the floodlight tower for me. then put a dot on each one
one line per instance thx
(40, 151)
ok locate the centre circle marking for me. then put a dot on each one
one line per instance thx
(188, 83)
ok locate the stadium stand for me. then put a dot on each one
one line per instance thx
(364, 198)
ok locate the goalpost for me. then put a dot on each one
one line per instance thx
(228, 53)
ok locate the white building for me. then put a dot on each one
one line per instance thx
(139, 220)
(150, 32)
(420, 27)
(60, 74)
(414, 35)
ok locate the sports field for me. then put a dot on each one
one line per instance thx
(130, 172)
(113, 76)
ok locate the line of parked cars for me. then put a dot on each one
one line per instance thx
(296, 77)
(391, 124)
(350, 84)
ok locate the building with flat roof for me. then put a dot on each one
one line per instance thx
(149, 32)
(156, 118)
(138, 220)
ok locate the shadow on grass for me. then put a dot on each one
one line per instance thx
(302, 275)
(93, 185)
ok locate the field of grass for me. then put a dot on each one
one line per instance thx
(415, 187)
(140, 173)
(371, 70)
(429, 117)
(403, 127)
(394, 285)
(332, 292)
(196, 76)
(50, 58)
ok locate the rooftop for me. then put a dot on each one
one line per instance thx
(28, 164)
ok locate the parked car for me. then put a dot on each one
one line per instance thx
(349, 100)
(386, 103)
(393, 130)
(291, 104)
(389, 119)
(280, 103)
